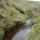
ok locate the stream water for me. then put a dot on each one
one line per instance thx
(23, 31)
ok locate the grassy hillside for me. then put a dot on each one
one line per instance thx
(35, 32)
(12, 12)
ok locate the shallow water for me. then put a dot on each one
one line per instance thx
(23, 31)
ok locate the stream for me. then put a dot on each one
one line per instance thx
(23, 31)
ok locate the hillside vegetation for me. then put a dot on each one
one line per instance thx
(14, 11)
(35, 32)
(11, 12)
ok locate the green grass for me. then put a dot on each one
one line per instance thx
(35, 32)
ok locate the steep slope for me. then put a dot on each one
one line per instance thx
(12, 12)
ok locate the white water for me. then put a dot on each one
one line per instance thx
(23, 31)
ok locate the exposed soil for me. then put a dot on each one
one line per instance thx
(8, 35)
